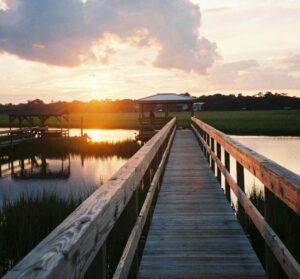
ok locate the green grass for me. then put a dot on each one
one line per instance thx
(276, 123)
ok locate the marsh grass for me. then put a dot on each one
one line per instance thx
(283, 221)
(27, 220)
(76, 145)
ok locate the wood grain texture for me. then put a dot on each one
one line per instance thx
(68, 250)
(279, 250)
(194, 232)
(282, 182)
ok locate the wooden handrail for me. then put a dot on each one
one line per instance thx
(68, 250)
(277, 247)
(279, 180)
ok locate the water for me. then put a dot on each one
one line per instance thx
(104, 135)
(85, 173)
(108, 135)
(285, 151)
(72, 175)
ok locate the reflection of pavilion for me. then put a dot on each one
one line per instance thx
(161, 103)
(35, 167)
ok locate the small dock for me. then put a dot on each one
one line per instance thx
(194, 232)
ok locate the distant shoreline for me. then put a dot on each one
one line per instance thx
(246, 123)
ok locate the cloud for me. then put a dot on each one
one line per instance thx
(217, 10)
(250, 75)
(291, 62)
(68, 29)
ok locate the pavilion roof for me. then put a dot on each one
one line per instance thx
(167, 98)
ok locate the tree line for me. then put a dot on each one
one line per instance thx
(260, 101)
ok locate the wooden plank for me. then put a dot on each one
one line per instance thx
(282, 254)
(69, 249)
(281, 181)
(194, 232)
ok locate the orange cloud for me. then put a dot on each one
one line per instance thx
(39, 46)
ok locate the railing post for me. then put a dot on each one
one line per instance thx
(240, 179)
(212, 162)
(275, 213)
(219, 157)
(227, 166)
(207, 153)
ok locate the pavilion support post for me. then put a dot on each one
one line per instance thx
(192, 110)
(140, 108)
(167, 110)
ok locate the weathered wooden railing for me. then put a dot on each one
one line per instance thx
(277, 180)
(103, 236)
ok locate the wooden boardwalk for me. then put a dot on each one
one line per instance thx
(194, 232)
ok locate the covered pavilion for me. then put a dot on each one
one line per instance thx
(151, 123)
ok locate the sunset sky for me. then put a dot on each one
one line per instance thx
(96, 49)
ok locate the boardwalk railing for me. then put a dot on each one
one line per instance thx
(277, 180)
(108, 226)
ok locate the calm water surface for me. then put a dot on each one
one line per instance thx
(109, 135)
(285, 151)
(97, 135)
(68, 176)
(73, 175)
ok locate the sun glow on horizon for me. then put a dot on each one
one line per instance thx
(130, 65)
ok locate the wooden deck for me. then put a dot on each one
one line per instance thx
(194, 232)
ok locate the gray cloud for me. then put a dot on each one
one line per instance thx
(62, 32)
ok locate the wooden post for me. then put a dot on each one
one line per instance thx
(167, 110)
(212, 162)
(274, 215)
(219, 156)
(12, 168)
(139, 112)
(192, 109)
(10, 123)
(207, 153)
(68, 123)
(61, 125)
(240, 179)
(227, 166)
(81, 126)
